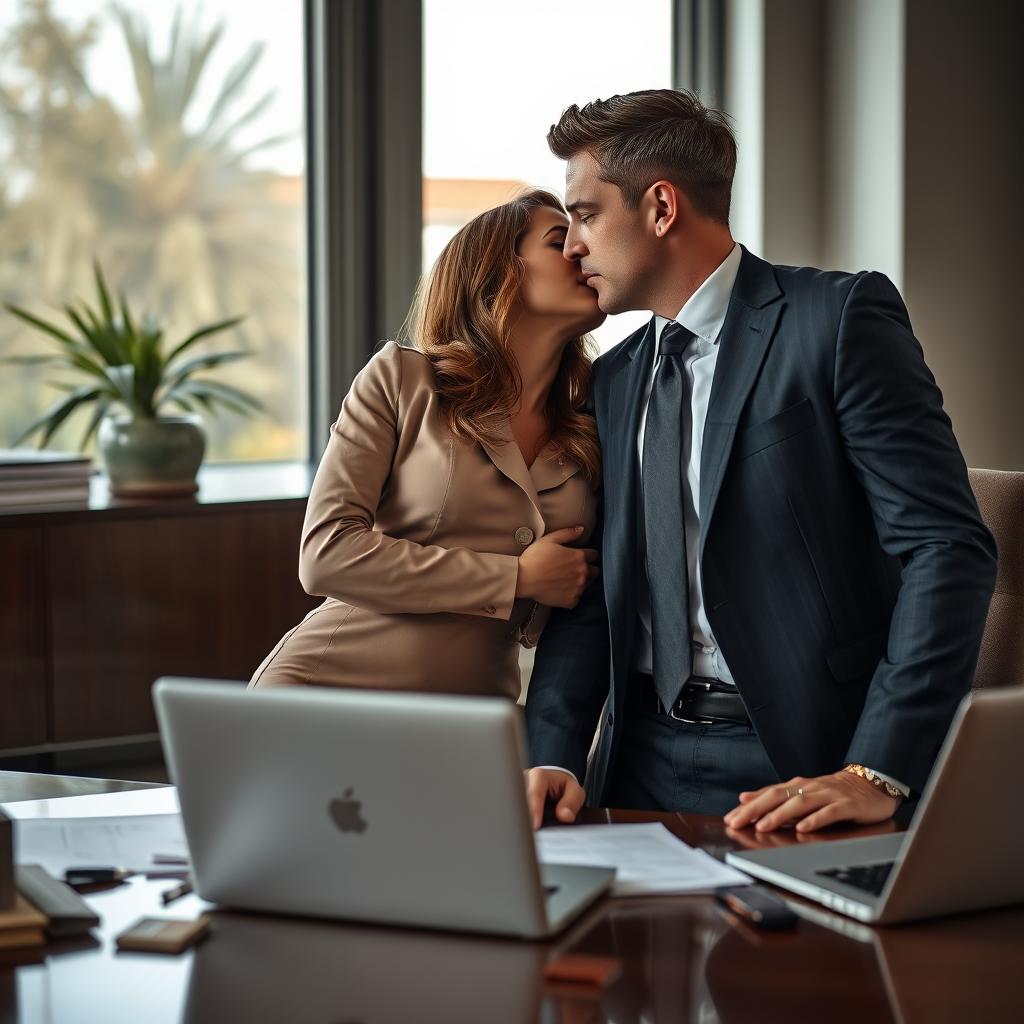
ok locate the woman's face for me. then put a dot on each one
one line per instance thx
(553, 288)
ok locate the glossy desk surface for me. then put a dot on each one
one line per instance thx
(681, 960)
(31, 786)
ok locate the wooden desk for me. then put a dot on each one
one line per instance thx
(681, 961)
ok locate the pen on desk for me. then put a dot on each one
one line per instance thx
(170, 895)
(94, 876)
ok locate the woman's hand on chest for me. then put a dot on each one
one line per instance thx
(555, 574)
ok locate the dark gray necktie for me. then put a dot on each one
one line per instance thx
(664, 528)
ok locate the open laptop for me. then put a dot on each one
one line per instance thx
(963, 851)
(397, 808)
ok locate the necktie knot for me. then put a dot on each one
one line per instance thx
(674, 339)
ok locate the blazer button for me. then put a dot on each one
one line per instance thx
(524, 536)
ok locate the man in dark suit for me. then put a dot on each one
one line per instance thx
(795, 574)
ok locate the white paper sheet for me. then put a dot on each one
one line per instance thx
(648, 859)
(129, 842)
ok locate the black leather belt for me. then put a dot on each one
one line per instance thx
(701, 702)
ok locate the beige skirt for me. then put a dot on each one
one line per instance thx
(338, 644)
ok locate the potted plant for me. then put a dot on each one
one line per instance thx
(115, 363)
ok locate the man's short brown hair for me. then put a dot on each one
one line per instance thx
(639, 137)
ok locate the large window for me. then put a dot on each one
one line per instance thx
(497, 75)
(164, 139)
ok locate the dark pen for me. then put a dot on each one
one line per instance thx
(170, 895)
(96, 876)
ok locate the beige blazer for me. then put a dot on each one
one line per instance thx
(412, 537)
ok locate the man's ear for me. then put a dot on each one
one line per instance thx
(665, 205)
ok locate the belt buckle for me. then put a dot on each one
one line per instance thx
(702, 684)
(688, 721)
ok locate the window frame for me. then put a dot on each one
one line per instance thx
(364, 117)
(365, 193)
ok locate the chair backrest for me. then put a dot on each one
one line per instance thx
(1001, 501)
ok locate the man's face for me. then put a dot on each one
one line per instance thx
(613, 244)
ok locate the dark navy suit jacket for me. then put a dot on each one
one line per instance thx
(847, 572)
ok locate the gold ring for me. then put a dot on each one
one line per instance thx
(788, 794)
(800, 791)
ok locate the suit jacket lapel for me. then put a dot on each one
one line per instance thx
(551, 470)
(750, 323)
(625, 391)
(507, 457)
(621, 488)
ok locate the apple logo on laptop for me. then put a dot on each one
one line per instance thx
(345, 814)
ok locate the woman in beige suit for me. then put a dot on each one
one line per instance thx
(452, 507)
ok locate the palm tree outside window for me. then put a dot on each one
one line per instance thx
(165, 140)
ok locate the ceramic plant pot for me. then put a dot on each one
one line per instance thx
(152, 456)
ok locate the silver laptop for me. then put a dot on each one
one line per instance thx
(963, 851)
(390, 807)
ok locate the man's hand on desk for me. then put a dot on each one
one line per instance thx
(751, 839)
(560, 786)
(813, 803)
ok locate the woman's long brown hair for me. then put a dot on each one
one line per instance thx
(461, 321)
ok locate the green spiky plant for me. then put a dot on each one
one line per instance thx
(115, 360)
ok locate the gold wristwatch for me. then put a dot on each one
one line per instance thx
(876, 780)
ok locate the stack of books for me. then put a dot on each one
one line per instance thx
(30, 478)
(22, 926)
(34, 905)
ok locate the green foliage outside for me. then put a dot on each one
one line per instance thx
(176, 214)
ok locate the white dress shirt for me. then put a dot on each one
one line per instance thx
(703, 315)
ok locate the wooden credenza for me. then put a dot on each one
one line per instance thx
(98, 601)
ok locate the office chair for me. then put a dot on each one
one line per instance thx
(1001, 501)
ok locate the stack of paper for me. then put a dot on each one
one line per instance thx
(648, 859)
(139, 842)
(29, 477)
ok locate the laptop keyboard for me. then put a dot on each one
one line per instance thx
(869, 877)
